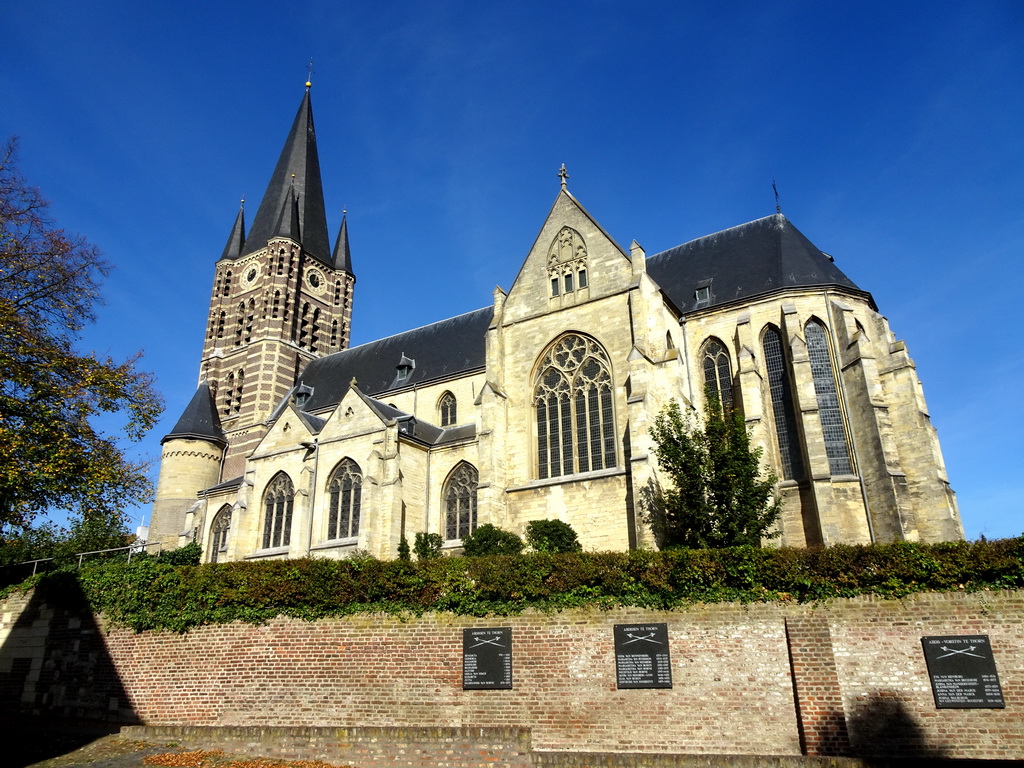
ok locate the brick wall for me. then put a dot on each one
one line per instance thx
(846, 678)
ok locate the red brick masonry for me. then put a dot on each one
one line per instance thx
(848, 677)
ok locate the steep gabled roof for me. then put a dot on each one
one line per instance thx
(297, 173)
(440, 350)
(742, 262)
(199, 421)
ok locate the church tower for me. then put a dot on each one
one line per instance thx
(281, 298)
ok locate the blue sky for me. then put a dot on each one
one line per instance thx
(893, 130)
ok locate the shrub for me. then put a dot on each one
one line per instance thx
(552, 536)
(490, 540)
(404, 551)
(427, 546)
(190, 554)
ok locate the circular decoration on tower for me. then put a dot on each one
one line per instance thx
(315, 280)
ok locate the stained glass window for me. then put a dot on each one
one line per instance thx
(782, 406)
(345, 492)
(278, 503)
(460, 501)
(832, 426)
(573, 401)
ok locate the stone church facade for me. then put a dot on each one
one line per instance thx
(538, 406)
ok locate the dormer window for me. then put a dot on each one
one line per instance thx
(403, 371)
(302, 395)
(702, 295)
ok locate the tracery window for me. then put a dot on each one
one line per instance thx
(782, 405)
(278, 503)
(573, 401)
(829, 413)
(447, 408)
(345, 492)
(219, 533)
(567, 262)
(718, 373)
(460, 501)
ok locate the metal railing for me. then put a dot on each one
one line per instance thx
(132, 549)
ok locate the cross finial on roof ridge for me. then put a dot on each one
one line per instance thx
(309, 73)
(563, 175)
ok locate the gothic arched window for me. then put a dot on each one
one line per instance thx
(219, 533)
(782, 405)
(278, 503)
(447, 409)
(567, 262)
(460, 501)
(345, 492)
(718, 373)
(573, 401)
(829, 413)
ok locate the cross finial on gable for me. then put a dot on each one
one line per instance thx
(309, 73)
(563, 175)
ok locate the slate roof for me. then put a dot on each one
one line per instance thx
(743, 262)
(440, 350)
(299, 159)
(199, 421)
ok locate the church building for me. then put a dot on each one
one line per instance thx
(539, 405)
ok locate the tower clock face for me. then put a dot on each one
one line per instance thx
(250, 274)
(315, 280)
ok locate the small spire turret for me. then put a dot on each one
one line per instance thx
(236, 240)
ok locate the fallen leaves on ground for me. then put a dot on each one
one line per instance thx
(216, 759)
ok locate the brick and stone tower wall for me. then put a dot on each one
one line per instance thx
(271, 312)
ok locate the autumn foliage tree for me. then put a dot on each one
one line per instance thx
(717, 496)
(52, 454)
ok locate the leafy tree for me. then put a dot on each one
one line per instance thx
(552, 536)
(427, 546)
(718, 497)
(489, 539)
(51, 453)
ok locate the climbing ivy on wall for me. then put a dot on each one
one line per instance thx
(148, 594)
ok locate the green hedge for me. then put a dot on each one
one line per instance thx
(150, 594)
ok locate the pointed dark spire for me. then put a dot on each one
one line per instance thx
(297, 174)
(236, 242)
(288, 219)
(199, 421)
(342, 257)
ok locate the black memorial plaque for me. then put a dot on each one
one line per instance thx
(963, 672)
(487, 658)
(641, 656)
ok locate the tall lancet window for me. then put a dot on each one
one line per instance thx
(219, 533)
(460, 501)
(278, 503)
(782, 405)
(447, 409)
(829, 412)
(573, 402)
(718, 373)
(345, 491)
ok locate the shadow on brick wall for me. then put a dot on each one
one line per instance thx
(59, 687)
(883, 727)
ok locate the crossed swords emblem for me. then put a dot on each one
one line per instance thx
(960, 651)
(493, 641)
(646, 638)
